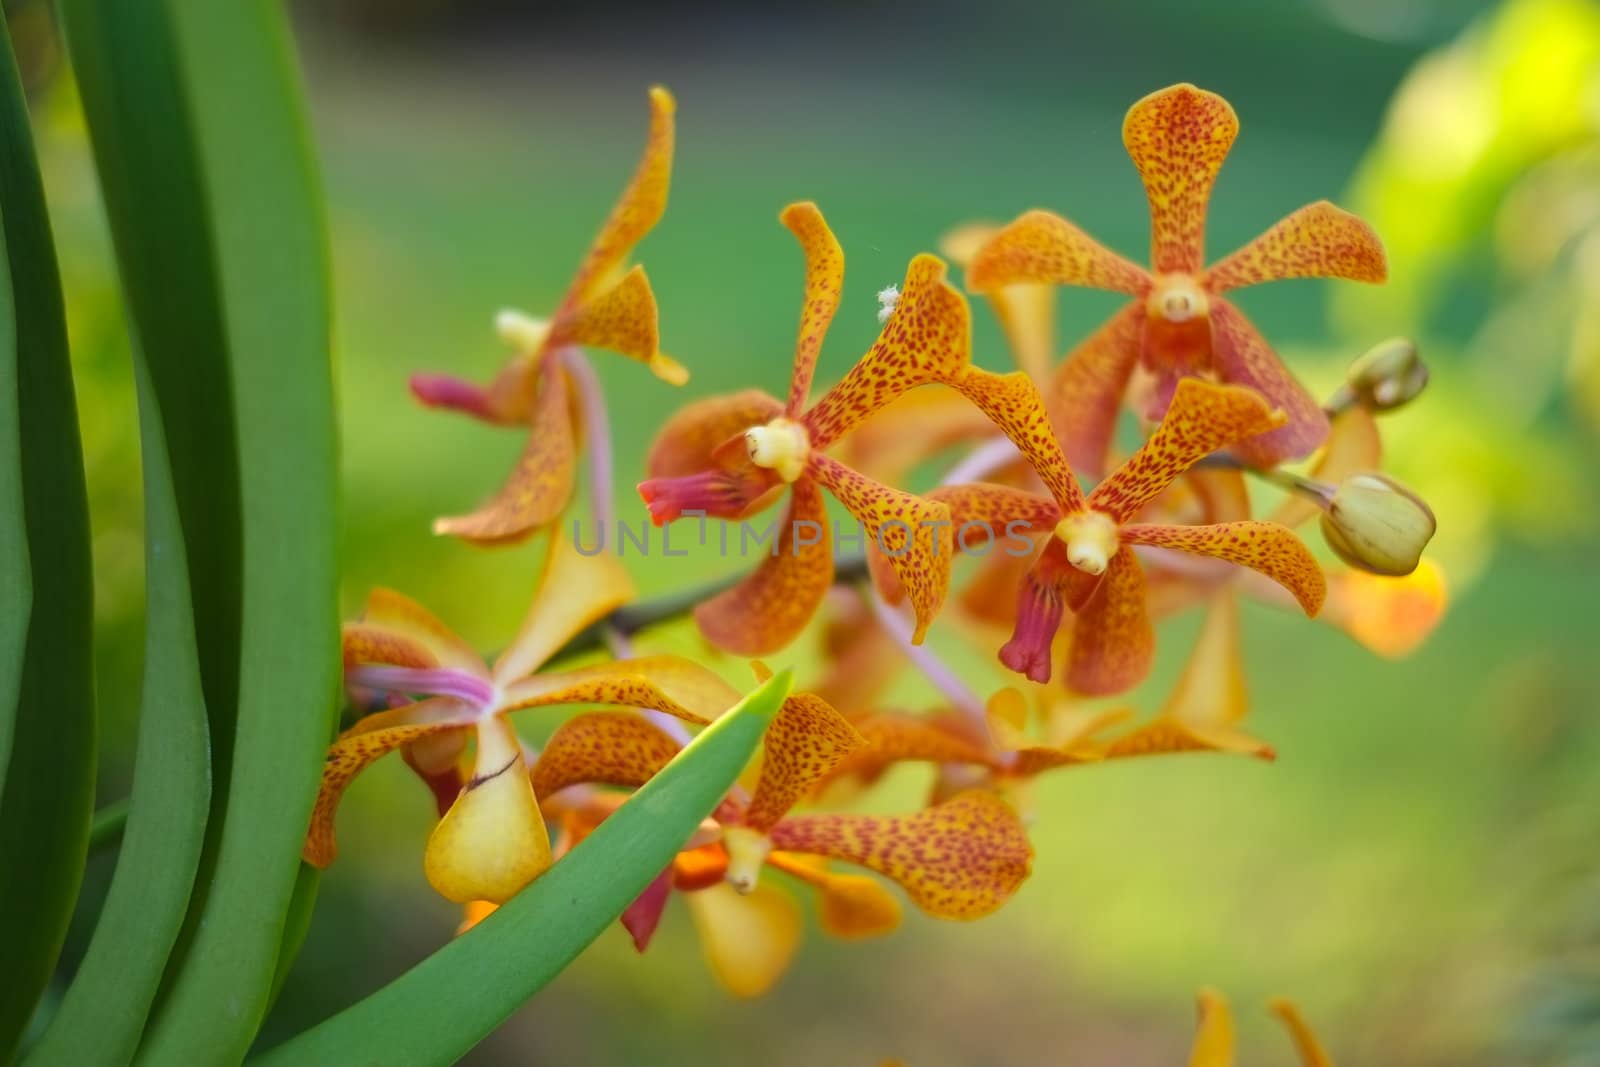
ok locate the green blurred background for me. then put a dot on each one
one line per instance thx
(1418, 869)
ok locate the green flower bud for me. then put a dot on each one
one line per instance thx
(1375, 524)
(1387, 376)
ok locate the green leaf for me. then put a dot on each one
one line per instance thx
(195, 115)
(436, 1012)
(103, 1012)
(47, 740)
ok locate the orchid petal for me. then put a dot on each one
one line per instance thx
(622, 319)
(671, 684)
(1201, 419)
(769, 608)
(395, 614)
(1312, 1054)
(824, 282)
(1390, 616)
(617, 748)
(851, 907)
(1213, 1038)
(642, 917)
(1113, 641)
(1026, 310)
(748, 940)
(574, 589)
(1317, 241)
(805, 742)
(1041, 246)
(1178, 138)
(1241, 355)
(1012, 401)
(1264, 547)
(1085, 395)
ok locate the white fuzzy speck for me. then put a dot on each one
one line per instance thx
(887, 298)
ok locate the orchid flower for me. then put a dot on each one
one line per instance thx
(492, 840)
(604, 307)
(1088, 563)
(726, 456)
(1179, 323)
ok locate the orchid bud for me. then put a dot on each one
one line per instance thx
(1375, 524)
(1387, 376)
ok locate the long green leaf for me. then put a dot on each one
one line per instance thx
(436, 1012)
(103, 1013)
(49, 738)
(195, 114)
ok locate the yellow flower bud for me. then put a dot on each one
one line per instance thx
(1377, 525)
(1387, 376)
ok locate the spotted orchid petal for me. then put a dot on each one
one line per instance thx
(493, 840)
(1390, 616)
(913, 532)
(928, 338)
(961, 859)
(1203, 711)
(1213, 1038)
(414, 636)
(1353, 446)
(671, 684)
(1317, 241)
(621, 319)
(851, 907)
(749, 940)
(541, 483)
(617, 748)
(1264, 547)
(1113, 641)
(1201, 419)
(1026, 310)
(769, 608)
(371, 738)
(804, 744)
(891, 738)
(574, 589)
(1241, 355)
(689, 440)
(1041, 246)
(1013, 403)
(1178, 138)
(1002, 510)
(636, 212)
(824, 282)
(1085, 394)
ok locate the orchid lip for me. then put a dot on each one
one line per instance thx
(432, 681)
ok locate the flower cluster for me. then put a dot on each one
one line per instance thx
(1166, 523)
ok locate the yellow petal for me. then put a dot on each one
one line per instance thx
(1317, 241)
(1390, 616)
(573, 590)
(1040, 246)
(805, 742)
(824, 280)
(671, 684)
(1312, 1054)
(749, 940)
(852, 907)
(1213, 1039)
(493, 841)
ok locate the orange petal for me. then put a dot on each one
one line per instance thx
(1178, 138)
(1026, 310)
(1012, 401)
(824, 280)
(1201, 419)
(636, 213)
(665, 683)
(767, 610)
(1007, 714)
(1390, 616)
(493, 840)
(1312, 1054)
(801, 748)
(1213, 1038)
(1317, 241)
(1044, 247)
(1242, 355)
(541, 483)
(410, 623)
(1085, 395)
(699, 867)
(1264, 547)
(622, 319)
(473, 913)
(748, 940)
(915, 533)
(1353, 446)
(958, 860)
(927, 339)
(1113, 641)
(892, 738)
(852, 907)
(686, 442)
(573, 590)
(1001, 510)
(372, 737)
(604, 747)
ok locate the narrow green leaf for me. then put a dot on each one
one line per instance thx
(441, 1008)
(103, 1013)
(49, 738)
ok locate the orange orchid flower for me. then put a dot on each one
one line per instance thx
(604, 307)
(1179, 322)
(1088, 563)
(961, 859)
(492, 840)
(724, 457)
(1214, 1042)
